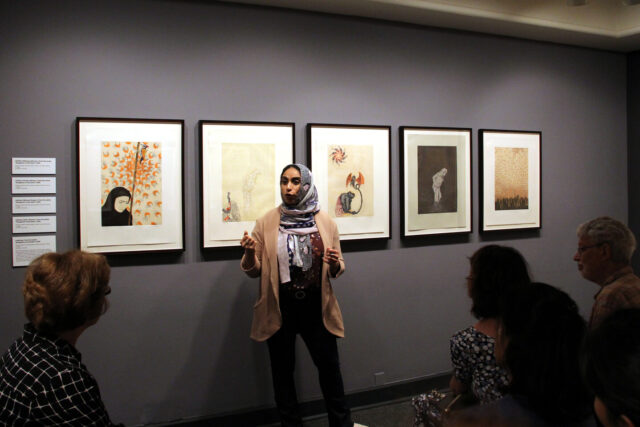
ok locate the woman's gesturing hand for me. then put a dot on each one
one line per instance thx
(332, 257)
(248, 244)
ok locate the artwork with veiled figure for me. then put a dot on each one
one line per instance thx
(131, 177)
(130, 185)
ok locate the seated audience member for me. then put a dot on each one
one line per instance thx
(42, 378)
(539, 342)
(612, 368)
(495, 271)
(605, 246)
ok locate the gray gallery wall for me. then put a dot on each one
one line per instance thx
(633, 119)
(175, 342)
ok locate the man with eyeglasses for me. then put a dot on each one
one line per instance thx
(605, 246)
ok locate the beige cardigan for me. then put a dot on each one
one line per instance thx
(266, 311)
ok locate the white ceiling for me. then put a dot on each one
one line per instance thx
(602, 24)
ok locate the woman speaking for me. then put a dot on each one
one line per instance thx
(295, 250)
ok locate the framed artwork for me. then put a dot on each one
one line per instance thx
(240, 174)
(510, 180)
(350, 166)
(436, 180)
(130, 185)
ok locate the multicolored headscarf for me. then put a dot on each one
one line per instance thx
(297, 222)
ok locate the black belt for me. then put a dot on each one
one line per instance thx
(299, 294)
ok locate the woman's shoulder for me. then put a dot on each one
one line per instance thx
(272, 212)
(323, 217)
(270, 215)
(487, 327)
(468, 333)
(42, 359)
(471, 338)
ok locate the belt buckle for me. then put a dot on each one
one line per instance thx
(300, 295)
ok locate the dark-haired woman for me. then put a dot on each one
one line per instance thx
(115, 210)
(42, 378)
(496, 271)
(612, 368)
(539, 343)
(295, 250)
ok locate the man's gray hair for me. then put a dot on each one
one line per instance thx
(608, 230)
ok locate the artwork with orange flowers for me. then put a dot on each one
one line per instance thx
(131, 176)
(510, 171)
(130, 183)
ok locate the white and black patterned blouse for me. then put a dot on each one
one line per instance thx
(474, 364)
(43, 382)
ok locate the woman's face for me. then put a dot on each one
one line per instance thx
(121, 203)
(290, 186)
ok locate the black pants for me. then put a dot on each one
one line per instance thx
(304, 317)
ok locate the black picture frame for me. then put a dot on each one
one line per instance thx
(145, 157)
(228, 150)
(368, 165)
(510, 180)
(432, 158)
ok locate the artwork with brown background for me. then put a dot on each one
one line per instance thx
(437, 179)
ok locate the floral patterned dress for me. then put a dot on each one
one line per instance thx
(475, 365)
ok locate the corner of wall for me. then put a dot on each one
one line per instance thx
(633, 146)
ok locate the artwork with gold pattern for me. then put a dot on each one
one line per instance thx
(511, 178)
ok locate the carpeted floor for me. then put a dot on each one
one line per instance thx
(383, 407)
(390, 414)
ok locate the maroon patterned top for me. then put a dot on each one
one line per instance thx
(311, 279)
